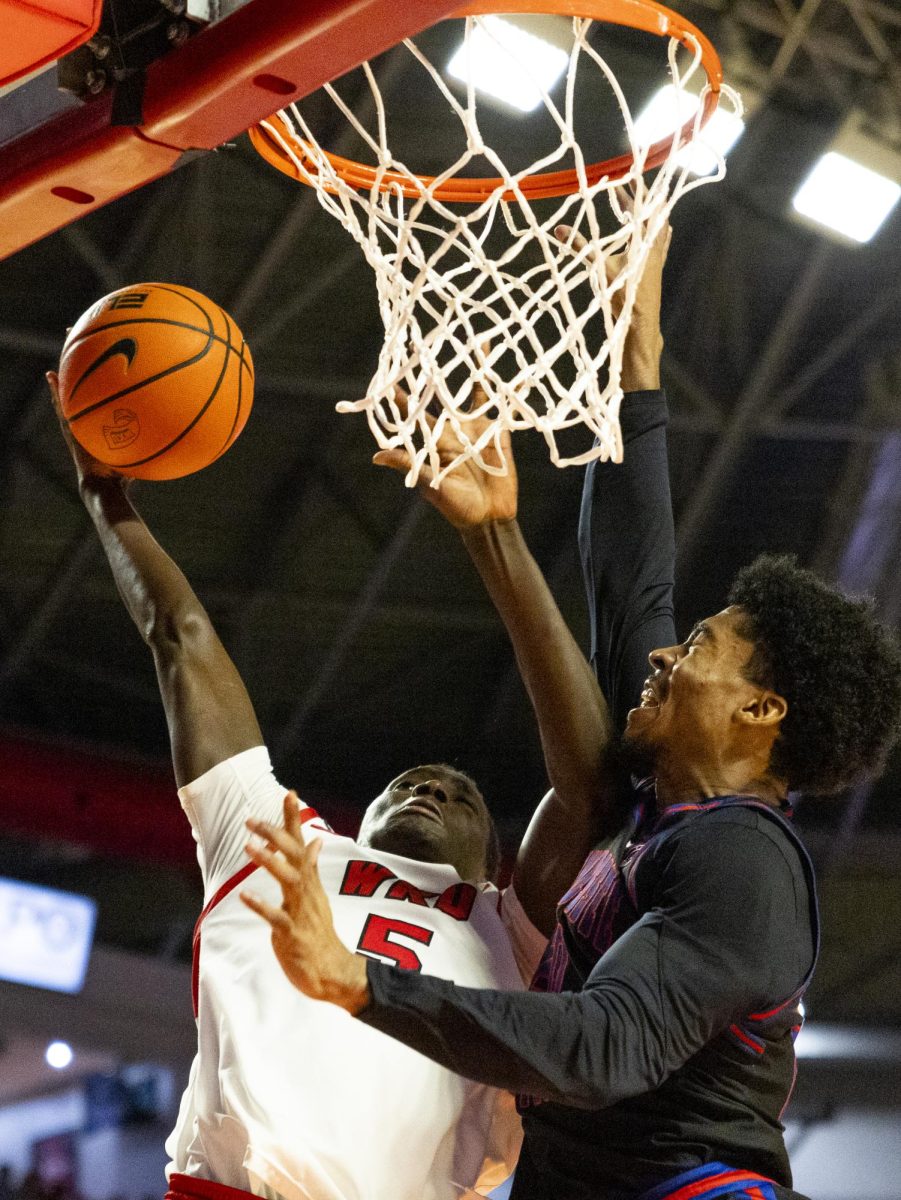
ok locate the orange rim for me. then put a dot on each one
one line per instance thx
(646, 15)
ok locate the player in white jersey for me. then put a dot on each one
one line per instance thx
(351, 1133)
(288, 1099)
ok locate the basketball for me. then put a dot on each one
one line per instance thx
(155, 381)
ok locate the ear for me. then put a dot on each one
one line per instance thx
(764, 709)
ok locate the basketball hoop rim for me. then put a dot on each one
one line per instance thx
(646, 15)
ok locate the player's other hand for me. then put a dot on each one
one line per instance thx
(647, 299)
(309, 951)
(468, 496)
(643, 345)
(87, 467)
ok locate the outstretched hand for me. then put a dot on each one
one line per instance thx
(306, 945)
(643, 345)
(86, 466)
(467, 496)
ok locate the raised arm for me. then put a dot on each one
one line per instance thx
(573, 721)
(627, 544)
(626, 540)
(626, 522)
(208, 711)
(572, 716)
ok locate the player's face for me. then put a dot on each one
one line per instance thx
(690, 706)
(433, 814)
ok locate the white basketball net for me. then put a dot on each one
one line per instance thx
(446, 303)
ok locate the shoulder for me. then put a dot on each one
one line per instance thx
(242, 771)
(729, 893)
(730, 829)
(736, 850)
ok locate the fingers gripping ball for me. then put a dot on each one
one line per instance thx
(156, 381)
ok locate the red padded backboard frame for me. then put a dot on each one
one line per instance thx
(36, 35)
(211, 89)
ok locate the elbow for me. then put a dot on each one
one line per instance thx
(602, 1089)
(176, 633)
(588, 1086)
(619, 1056)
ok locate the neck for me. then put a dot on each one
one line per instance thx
(681, 783)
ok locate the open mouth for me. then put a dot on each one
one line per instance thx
(426, 808)
(649, 699)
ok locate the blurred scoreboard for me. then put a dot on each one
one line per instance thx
(45, 936)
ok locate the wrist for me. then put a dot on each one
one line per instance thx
(351, 991)
(90, 485)
(640, 372)
(643, 349)
(486, 532)
(106, 498)
(640, 381)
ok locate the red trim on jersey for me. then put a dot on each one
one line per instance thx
(791, 1086)
(306, 814)
(228, 886)
(309, 814)
(702, 1187)
(187, 1187)
(762, 1016)
(751, 1043)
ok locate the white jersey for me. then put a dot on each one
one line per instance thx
(291, 1098)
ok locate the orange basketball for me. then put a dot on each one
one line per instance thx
(156, 381)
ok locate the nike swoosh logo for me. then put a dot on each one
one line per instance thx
(127, 347)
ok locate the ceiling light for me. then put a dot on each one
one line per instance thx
(846, 197)
(508, 63)
(59, 1055)
(669, 109)
(854, 186)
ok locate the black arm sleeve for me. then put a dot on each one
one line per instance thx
(628, 549)
(724, 935)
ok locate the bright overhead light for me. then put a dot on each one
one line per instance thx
(847, 197)
(669, 109)
(59, 1055)
(506, 62)
(855, 185)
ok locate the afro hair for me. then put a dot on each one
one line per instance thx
(838, 669)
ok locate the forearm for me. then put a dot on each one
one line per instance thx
(573, 719)
(154, 590)
(640, 370)
(628, 549)
(583, 1049)
(208, 711)
(706, 949)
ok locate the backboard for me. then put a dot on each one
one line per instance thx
(61, 157)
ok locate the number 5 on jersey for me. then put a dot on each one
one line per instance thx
(377, 941)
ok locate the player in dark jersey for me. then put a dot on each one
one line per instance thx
(654, 1055)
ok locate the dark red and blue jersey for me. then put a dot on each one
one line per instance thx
(701, 931)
